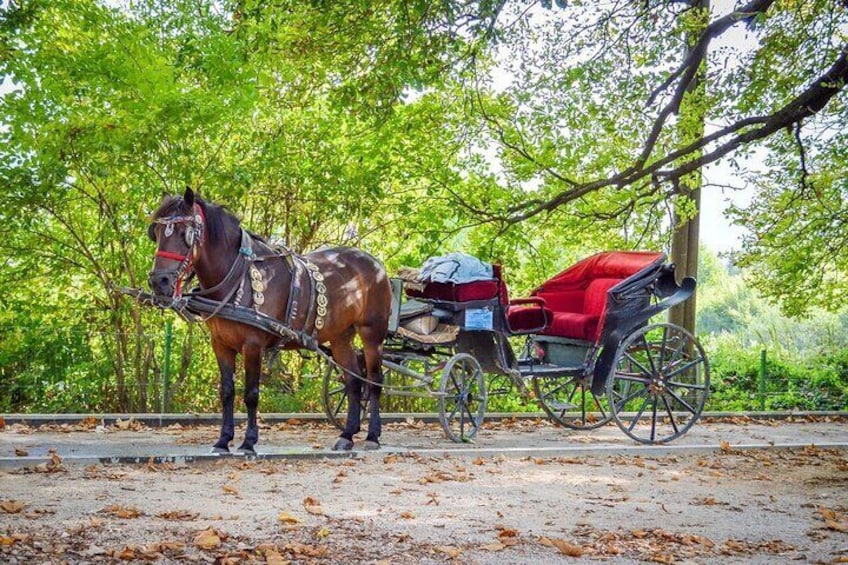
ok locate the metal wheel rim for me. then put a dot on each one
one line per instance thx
(584, 414)
(658, 389)
(462, 400)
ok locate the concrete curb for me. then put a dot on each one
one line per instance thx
(165, 420)
(307, 453)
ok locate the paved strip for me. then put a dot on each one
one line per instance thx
(165, 420)
(307, 453)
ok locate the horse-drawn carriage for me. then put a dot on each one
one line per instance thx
(588, 350)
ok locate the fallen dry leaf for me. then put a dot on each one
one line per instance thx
(407, 515)
(207, 539)
(230, 489)
(21, 452)
(562, 546)
(127, 512)
(274, 557)
(493, 547)
(12, 506)
(450, 551)
(833, 520)
(507, 536)
(287, 518)
(313, 506)
(178, 515)
(52, 466)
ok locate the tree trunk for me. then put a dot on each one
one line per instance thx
(686, 237)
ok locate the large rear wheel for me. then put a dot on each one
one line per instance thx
(660, 383)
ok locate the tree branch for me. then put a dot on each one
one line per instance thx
(809, 102)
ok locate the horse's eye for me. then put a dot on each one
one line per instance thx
(151, 232)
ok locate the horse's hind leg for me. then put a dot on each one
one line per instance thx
(252, 370)
(372, 339)
(345, 356)
(226, 358)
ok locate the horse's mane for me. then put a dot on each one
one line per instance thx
(218, 219)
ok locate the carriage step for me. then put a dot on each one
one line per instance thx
(562, 406)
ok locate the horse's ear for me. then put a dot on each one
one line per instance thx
(188, 197)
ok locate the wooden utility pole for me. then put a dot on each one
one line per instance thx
(686, 237)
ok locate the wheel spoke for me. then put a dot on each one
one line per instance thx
(633, 378)
(644, 369)
(683, 368)
(681, 401)
(452, 415)
(461, 424)
(662, 346)
(690, 386)
(670, 415)
(654, 420)
(573, 390)
(638, 414)
(600, 408)
(677, 352)
(649, 356)
(625, 400)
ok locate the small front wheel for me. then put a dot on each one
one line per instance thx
(660, 383)
(462, 399)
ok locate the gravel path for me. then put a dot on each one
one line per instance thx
(422, 501)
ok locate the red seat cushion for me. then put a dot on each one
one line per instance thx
(573, 325)
(477, 290)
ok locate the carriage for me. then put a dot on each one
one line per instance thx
(589, 352)
(588, 349)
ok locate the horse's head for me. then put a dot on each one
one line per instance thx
(178, 228)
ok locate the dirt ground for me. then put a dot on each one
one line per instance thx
(727, 506)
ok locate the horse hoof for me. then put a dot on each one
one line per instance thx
(370, 445)
(343, 444)
(247, 452)
(220, 450)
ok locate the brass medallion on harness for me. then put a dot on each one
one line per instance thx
(321, 291)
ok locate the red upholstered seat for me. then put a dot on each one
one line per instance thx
(577, 297)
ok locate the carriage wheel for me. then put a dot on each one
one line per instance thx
(660, 384)
(570, 402)
(462, 402)
(334, 397)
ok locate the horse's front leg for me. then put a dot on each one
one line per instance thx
(252, 355)
(226, 358)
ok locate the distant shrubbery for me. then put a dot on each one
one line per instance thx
(806, 359)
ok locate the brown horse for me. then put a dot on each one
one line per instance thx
(233, 266)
